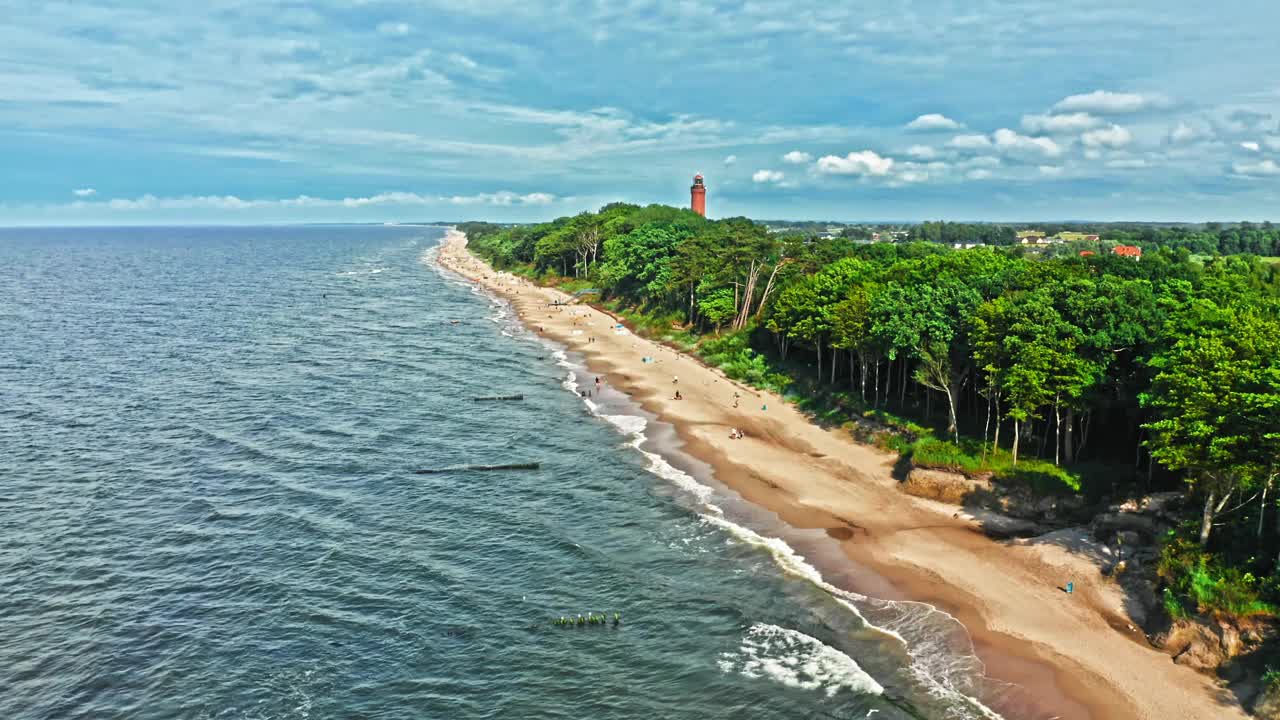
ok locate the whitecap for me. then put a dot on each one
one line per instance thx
(797, 660)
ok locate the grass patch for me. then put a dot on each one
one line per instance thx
(1201, 580)
(924, 449)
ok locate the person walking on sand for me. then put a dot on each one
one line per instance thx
(675, 379)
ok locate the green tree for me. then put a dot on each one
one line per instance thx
(1203, 387)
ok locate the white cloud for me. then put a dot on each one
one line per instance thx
(970, 142)
(730, 159)
(796, 157)
(1263, 167)
(1050, 170)
(1184, 133)
(1249, 119)
(913, 176)
(503, 197)
(84, 192)
(1112, 137)
(1272, 143)
(767, 176)
(865, 162)
(978, 174)
(1106, 102)
(232, 202)
(922, 152)
(1127, 163)
(394, 28)
(1007, 139)
(1067, 123)
(1251, 146)
(933, 121)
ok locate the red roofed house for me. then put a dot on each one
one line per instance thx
(1132, 251)
(1087, 253)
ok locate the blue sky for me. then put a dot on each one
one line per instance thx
(132, 111)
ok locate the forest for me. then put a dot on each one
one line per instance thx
(1098, 375)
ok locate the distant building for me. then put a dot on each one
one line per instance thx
(1030, 237)
(967, 246)
(1075, 237)
(1132, 251)
(698, 196)
(1087, 253)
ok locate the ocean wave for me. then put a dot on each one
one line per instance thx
(942, 656)
(797, 660)
(370, 271)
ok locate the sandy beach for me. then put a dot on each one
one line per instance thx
(1071, 656)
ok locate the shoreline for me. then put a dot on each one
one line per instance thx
(1061, 652)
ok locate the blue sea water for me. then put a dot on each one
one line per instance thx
(209, 508)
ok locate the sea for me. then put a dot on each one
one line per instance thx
(242, 475)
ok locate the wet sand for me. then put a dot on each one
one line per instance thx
(1061, 652)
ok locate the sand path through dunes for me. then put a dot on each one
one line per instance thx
(1061, 650)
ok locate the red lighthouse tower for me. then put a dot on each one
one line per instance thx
(698, 196)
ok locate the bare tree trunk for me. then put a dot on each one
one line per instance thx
(877, 393)
(986, 427)
(768, 287)
(888, 380)
(819, 344)
(995, 443)
(1262, 508)
(833, 367)
(1015, 442)
(1057, 431)
(1086, 424)
(902, 383)
(753, 274)
(1206, 519)
(1068, 446)
(862, 372)
(951, 403)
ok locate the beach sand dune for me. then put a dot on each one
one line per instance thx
(1064, 651)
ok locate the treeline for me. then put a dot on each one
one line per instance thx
(1167, 366)
(1210, 239)
(950, 233)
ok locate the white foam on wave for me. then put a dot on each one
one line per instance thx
(943, 669)
(797, 660)
(370, 271)
(794, 564)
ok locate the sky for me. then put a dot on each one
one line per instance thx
(243, 111)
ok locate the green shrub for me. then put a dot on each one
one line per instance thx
(732, 353)
(1173, 605)
(1203, 581)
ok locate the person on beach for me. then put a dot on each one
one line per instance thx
(678, 396)
(674, 379)
(735, 399)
